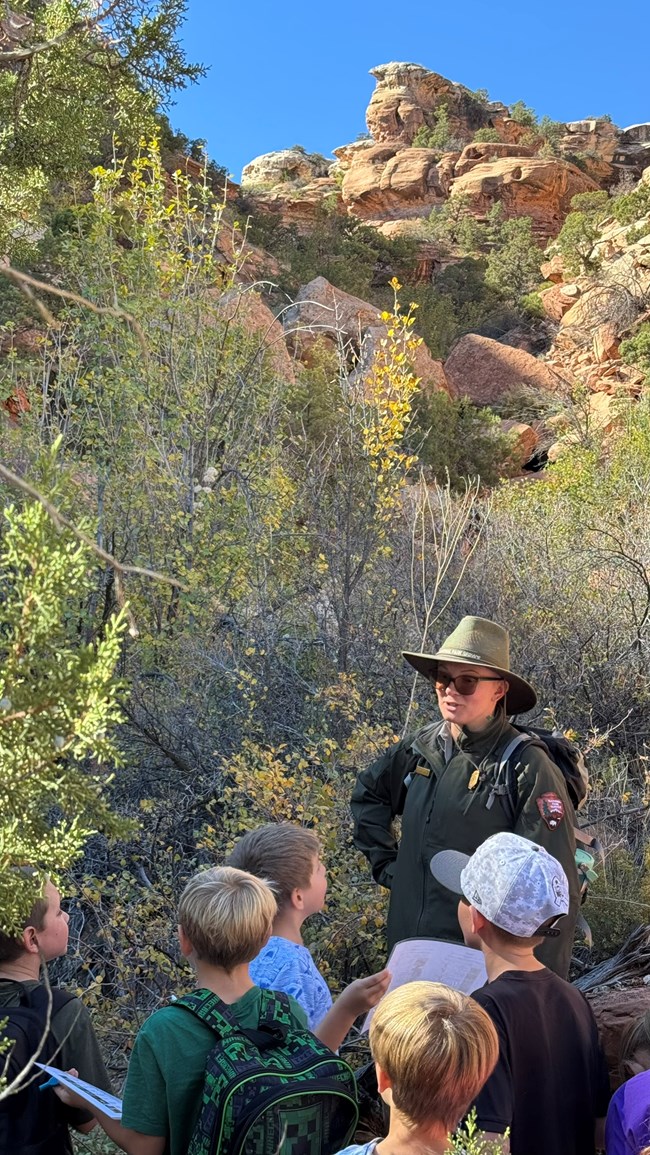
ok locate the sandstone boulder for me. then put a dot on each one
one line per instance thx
(553, 269)
(605, 342)
(288, 164)
(482, 151)
(385, 184)
(322, 312)
(556, 301)
(485, 371)
(595, 135)
(537, 187)
(347, 153)
(246, 309)
(524, 438)
(615, 1011)
(298, 206)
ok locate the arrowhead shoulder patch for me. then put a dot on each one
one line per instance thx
(551, 808)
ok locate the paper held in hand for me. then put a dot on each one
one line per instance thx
(93, 1096)
(430, 959)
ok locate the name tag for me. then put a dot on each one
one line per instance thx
(424, 771)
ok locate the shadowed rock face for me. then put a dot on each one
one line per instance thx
(485, 371)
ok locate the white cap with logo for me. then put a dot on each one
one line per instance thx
(514, 883)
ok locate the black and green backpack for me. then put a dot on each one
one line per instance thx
(276, 1089)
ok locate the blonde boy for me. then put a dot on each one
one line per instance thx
(225, 916)
(289, 857)
(433, 1050)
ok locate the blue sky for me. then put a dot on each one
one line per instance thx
(289, 72)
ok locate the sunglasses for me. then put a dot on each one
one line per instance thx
(464, 684)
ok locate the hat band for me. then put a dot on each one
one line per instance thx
(480, 658)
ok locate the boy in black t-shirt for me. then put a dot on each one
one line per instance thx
(550, 1086)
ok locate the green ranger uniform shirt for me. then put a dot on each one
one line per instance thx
(449, 803)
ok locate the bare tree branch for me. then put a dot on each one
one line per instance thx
(62, 522)
(16, 55)
(26, 283)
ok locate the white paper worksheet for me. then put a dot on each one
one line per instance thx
(94, 1096)
(432, 960)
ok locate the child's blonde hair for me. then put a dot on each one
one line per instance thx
(281, 852)
(635, 1037)
(437, 1047)
(227, 915)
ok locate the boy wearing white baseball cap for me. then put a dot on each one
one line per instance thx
(550, 1086)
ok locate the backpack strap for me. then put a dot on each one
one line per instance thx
(505, 784)
(42, 1000)
(211, 1010)
(275, 1017)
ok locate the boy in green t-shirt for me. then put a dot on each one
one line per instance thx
(225, 916)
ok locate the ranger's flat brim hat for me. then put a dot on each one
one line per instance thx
(479, 642)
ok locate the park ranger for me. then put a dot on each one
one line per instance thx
(452, 789)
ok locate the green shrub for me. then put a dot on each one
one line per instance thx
(522, 114)
(636, 350)
(532, 306)
(437, 135)
(460, 440)
(630, 207)
(513, 263)
(486, 136)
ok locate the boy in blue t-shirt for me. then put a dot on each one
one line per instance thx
(288, 857)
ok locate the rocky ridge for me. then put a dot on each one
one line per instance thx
(390, 178)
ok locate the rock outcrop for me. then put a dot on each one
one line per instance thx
(298, 206)
(408, 96)
(287, 165)
(483, 152)
(384, 184)
(485, 371)
(322, 312)
(536, 187)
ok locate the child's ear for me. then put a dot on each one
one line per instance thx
(30, 940)
(296, 899)
(384, 1085)
(187, 950)
(479, 920)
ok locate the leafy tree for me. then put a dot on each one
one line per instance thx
(636, 350)
(437, 135)
(486, 135)
(522, 114)
(581, 230)
(551, 132)
(513, 264)
(632, 206)
(58, 705)
(74, 77)
(353, 256)
(455, 224)
(460, 440)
